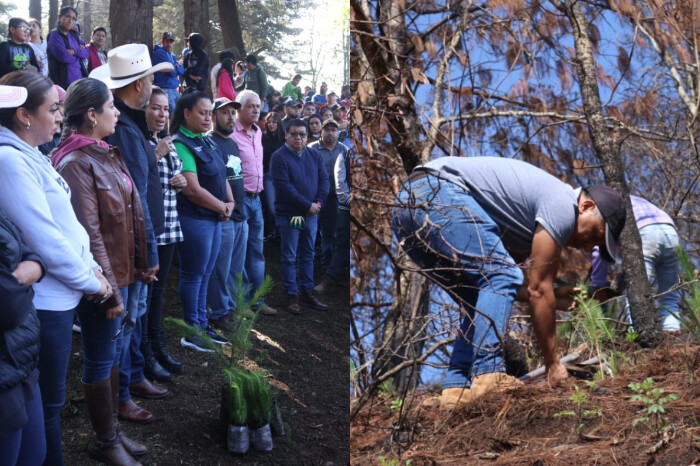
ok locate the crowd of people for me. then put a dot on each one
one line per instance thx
(110, 163)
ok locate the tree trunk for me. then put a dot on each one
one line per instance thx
(231, 27)
(35, 11)
(53, 15)
(607, 142)
(131, 20)
(197, 19)
(86, 14)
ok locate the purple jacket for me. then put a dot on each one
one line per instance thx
(57, 46)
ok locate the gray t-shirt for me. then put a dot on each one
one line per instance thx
(516, 195)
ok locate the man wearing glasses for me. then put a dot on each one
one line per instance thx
(15, 53)
(301, 186)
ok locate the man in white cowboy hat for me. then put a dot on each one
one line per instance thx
(129, 74)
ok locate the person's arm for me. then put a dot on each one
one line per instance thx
(194, 191)
(127, 142)
(86, 207)
(23, 199)
(263, 84)
(80, 50)
(342, 189)
(543, 270)
(225, 87)
(323, 180)
(93, 59)
(5, 62)
(57, 46)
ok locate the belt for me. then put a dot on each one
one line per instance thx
(419, 175)
(252, 195)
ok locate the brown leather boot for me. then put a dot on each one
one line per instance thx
(105, 445)
(135, 449)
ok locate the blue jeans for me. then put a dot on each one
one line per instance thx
(268, 201)
(131, 360)
(341, 249)
(101, 350)
(173, 97)
(26, 446)
(56, 338)
(659, 243)
(448, 234)
(327, 224)
(218, 296)
(254, 259)
(198, 254)
(297, 250)
(240, 242)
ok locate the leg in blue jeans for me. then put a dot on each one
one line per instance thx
(327, 222)
(305, 254)
(26, 446)
(268, 200)
(197, 258)
(255, 260)
(132, 310)
(138, 362)
(454, 235)
(218, 295)
(289, 241)
(173, 97)
(54, 356)
(96, 335)
(238, 252)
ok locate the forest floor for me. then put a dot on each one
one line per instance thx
(528, 425)
(306, 357)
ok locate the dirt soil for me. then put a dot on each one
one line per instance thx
(307, 358)
(519, 427)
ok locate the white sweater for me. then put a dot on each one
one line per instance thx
(37, 200)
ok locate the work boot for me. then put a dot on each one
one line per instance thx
(309, 299)
(105, 444)
(451, 398)
(493, 382)
(133, 448)
(152, 369)
(170, 364)
(324, 285)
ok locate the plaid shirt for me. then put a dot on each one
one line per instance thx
(167, 167)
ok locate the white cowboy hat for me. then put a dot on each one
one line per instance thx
(12, 96)
(126, 64)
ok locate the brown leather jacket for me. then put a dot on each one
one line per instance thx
(112, 215)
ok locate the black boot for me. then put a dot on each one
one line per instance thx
(105, 445)
(153, 370)
(164, 358)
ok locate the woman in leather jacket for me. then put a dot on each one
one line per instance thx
(108, 206)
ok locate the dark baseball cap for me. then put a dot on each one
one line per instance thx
(335, 107)
(330, 122)
(291, 102)
(223, 101)
(167, 35)
(612, 208)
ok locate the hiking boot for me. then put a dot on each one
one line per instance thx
(324, 285)
(451, 398)
(152, 368)
(223, 323)
(161, 354)
(309, 299)
(293, 305)
(195, 343)
(493, 382)
(264, 310)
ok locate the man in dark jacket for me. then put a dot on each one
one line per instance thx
(256, 79)
(131, 94)
(301, 186)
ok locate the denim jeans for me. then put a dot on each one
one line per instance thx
(297, 251)
(26, 446)
(56, 338)
(155, 305)
(101, 350)
(198, 254)
(218, 295)
(132, 361)
(449, 235)
(327, 225)
(240, 243)
(341, 248)
(254, 259)
(173, 97)
(268, 203)
(659, 243)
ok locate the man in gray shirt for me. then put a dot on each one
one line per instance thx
(470, 223)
